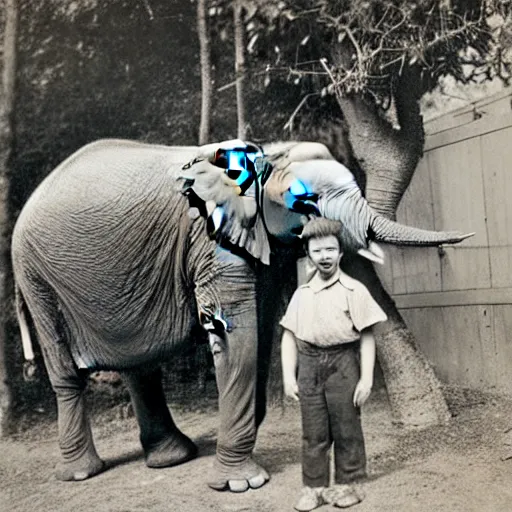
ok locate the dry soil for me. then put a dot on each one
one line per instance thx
(460, 467)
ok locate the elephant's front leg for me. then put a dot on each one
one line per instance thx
(235, 358)
(163, 443)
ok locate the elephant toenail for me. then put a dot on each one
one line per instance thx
(257, 481)
(238, 485)
(80, 475)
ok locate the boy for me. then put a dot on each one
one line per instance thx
(328, 338)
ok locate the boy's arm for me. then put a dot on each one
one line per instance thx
(365, 384)
(289, 364)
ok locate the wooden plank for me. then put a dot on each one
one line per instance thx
(458, 342)
(503, 347)
(486, 124)
(421, 267)
(416, 207)
(501, 266)
(488, 296)
(495, 104)
(457, 186)
(449, 121)
(465, 329)
(465, 268)
(469, 333)
(496, 157)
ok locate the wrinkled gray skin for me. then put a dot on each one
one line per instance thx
(112, 268)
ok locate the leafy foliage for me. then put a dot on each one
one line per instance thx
(355, 46)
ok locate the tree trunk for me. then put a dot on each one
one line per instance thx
(206, 79)
(414, 391)
(239, 69)
(6, 137)
(389, 158)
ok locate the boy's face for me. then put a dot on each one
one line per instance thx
(325, 254)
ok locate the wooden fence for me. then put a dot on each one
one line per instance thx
(457, 299)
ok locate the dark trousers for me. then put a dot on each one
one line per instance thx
(327, 380)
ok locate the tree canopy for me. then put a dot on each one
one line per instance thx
(361, 46)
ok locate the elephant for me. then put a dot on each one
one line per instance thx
(126, 247)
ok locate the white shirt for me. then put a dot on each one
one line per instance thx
(331, 312)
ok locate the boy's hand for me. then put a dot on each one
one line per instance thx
(291, 389)
(362, 392)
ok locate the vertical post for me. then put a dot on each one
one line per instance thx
(239, 68)
(7, 91)
(206, 79)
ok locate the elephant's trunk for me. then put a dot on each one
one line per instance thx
(388, 231)
(363, 223)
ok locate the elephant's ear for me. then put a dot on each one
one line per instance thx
(230, 216)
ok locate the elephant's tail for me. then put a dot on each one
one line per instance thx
(22, 313)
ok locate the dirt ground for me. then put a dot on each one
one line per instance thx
(455, 468)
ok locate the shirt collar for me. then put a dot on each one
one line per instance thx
(317, 284)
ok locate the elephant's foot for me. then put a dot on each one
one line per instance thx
(171, 451)
(238, 477)
(80, 469)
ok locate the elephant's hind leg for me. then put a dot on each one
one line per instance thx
(79, 457)
(163, 442)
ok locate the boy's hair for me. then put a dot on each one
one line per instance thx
(321, 227)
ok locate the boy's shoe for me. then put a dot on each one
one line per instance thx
(309, 499)
(341, 496)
